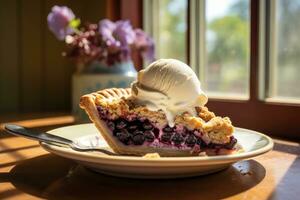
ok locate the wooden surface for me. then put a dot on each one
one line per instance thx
(29, 172)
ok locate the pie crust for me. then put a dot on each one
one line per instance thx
(118, 103)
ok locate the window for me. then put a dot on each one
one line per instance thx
(227, 47)
(170, 28)
(245, 53)
(224, 65)
(284, 63)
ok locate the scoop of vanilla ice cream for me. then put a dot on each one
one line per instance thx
(169, 85)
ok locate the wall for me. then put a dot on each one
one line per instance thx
(34, 76)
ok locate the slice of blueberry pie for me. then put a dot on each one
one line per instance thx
(163, 112)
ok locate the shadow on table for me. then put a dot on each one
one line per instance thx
(288, 186)
(53, 177)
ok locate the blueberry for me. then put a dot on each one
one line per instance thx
(138, 139)
(120, 124)
(99, 108)
(191, 140)
(123, 136)
(168, 129)
(147, 126)
(149, 136)
(199, 142)
(205, 145)
(185, 131)
(231, 144)
(137, 132)
(102, 112)
(177, 138)
(136, 122)
(156, 132)
(132, 128)
(166, 137)
(111, 125)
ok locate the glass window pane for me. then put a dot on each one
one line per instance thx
(172, 26)
(227, 47)
(285, 71)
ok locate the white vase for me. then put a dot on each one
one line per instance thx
(86, 83)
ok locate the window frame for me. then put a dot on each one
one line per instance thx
(269, 116)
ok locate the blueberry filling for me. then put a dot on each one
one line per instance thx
(167, 129)
(111, 125)
(156, 132)
(177, 138)
(138, 139)
(121, 124)
(147, 126)
(149, 136)
(231, 144)
(123, 136)
(184, 131)
(166, 137)
(139, 132)
(190, 140)
(132, 128)
(199, 142)
(102, 112)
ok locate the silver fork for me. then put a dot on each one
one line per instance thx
(52, 139)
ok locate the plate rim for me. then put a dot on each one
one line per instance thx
(207, 159)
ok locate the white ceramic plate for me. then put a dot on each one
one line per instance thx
(253, 143)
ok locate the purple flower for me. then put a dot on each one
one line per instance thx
(109, 42)
(58, 21)
(116, 35)
(124, 32)
(145, 44)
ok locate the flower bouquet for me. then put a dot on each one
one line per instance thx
(106, 43)
(101, 52)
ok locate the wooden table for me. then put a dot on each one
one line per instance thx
(29, 172)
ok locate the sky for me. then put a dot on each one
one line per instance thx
(214, 8)
(217, 8)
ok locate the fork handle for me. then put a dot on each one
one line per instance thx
(39, 136)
